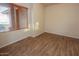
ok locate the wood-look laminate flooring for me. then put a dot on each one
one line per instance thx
(45, 44)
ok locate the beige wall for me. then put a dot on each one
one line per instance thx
(38, 19)
(35, 12)
(62, 19)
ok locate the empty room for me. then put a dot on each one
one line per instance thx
(39, 29)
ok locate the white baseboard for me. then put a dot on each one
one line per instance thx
(34, 35)
(11, 42)
(63, 35)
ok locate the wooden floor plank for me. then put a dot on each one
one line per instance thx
(45, 44)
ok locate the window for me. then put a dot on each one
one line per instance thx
(13, 17)
(4, 18)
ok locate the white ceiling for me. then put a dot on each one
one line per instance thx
(48, 4)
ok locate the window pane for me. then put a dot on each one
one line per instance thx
(4, 18)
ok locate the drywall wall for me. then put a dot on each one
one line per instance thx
(34, 14)
(62, 19)
(38, 19)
